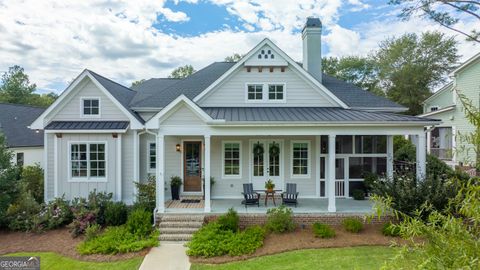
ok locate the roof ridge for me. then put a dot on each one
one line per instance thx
(22, 105)
(110, 80)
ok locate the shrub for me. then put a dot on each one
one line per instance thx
(56, 213)
(146, 195)
(390, 229)
(358, 194)
(97, 202)
(92, 231)
(9, 188)
(115, 213)
(229, 221)
(280, 220)
(23, 214)
(83, 217)
(353, 225)
(117, 239)
(31, 180)
(211, 240)
(138, 223)
(323, 230)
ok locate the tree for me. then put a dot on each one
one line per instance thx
(182, 72)
(16, 88)
(470, 141)
(360, 71)
(234, 57)
(9, 180)
(444, 12)
(411, 66)
(137, 83)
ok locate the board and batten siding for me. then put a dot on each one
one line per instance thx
(298, 91)
(128, 177)
(50, 166)
(71, 110)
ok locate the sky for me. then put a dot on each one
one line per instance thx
(55, 40)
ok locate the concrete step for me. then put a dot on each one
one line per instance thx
(168, 218)
(180, 224)
(175, 237)
(178, 230)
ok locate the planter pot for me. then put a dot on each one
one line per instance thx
(270, 190)
(175, 192)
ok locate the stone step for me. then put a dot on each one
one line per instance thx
(175, 237)
(178, 230)
(167, 218)
(180, 224)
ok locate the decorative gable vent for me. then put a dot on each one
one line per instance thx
(266, 57)
(266, 54)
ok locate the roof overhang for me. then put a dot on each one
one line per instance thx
(381, 109)
(87, 127)
(465, 64)
(446, 109)
(326, 124)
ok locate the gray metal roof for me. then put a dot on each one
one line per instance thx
(306, 114)
(160, 92)
(88, 125)
(123, 94)
(14, 122)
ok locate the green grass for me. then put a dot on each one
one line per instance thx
(327, 258)
(53, 261)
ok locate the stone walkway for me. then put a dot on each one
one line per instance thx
(168, 256)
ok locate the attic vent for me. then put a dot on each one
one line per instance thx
(266, 54)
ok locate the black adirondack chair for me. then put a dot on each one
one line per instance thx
(251, 197)
(290, 196)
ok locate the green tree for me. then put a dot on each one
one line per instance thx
(182, 72)
(9, 180)
(411, 66)
(360, 71)
(137, 83)
(234, 57)
(447, 13)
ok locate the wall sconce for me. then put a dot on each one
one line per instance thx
(177, 147)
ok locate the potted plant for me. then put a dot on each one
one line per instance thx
(175, 183)
(269, 185)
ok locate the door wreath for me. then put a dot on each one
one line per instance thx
(258, 149)
(274, 149)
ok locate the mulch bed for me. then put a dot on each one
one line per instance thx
(58, 241)
(304, 239)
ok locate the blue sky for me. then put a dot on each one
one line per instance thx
(54, 40)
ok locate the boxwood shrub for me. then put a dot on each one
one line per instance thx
(280, 220)
(353, 225)
(323, 230)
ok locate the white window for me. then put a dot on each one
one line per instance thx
(433, 108)
(276, 92)
(90, 106)
(20, 158)
(88, 160)
(300, 158)
(152, 153)
(254, 92)
(232, 159)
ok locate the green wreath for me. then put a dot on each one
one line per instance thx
(258, 149)
(274, 149)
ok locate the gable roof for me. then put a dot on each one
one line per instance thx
(441, 90)
(149, 90)
(465, 64)
(14, 122)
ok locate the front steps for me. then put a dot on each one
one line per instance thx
(179, 227)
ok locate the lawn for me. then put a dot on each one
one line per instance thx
(328, 258)
(53, 261)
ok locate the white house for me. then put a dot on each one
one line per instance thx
(325, 133)
(26, 144)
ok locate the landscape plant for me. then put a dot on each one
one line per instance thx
(352, 224)
(31, 180)
(115, 213)
(389, 229)
(229, 221)
(323, 230)
(280, 220)
(358, 194)
(146, 194)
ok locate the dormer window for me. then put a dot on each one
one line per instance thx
(90, 106)
(265, 92)
(255, 92)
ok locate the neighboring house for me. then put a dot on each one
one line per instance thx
(26, 144)
(445, 140)
(306, 128)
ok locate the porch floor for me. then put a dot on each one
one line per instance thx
(305, 206)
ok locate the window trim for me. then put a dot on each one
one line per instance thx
(82, 115)
(265, 94)
(87, 179)
(239, 176)
(309, 159)
(150, 169)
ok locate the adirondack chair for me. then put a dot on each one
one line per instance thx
(251, 197)
(290, 196)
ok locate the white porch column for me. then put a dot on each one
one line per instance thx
(429, 141)
(160, 183)
(331, 173)
(317, 166)
(207, 174)
(421, 155)
(136, 157)
(390, 156)
(119, 167)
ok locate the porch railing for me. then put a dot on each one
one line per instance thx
(339, 188)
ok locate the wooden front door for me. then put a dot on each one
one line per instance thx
(192, 166)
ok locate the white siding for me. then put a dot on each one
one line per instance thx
(71, 110)
(31, 155)
(50, 171)
(128, 178)
(298, 92)
(143, 164)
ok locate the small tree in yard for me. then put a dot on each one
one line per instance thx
(9, 181)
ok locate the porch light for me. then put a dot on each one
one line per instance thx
(177, 147)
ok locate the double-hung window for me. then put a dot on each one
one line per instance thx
(232, 159)
(152, 154)
(300, 158)
(255, 92)
(275, 92)
(90, 106)
(88, 160)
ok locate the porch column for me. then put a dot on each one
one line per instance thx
(421, 155)
(331, 173)
(390, 156)
(429, 141)
(160, 173)
(136, 157)
(207, 174)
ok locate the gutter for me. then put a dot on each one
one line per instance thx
(327, 124)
